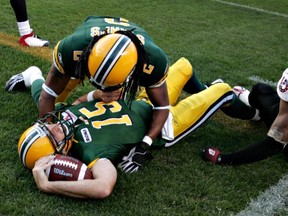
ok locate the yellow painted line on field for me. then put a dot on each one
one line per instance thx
(12, 41)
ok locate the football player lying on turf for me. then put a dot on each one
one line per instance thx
(272, 106)
(99, 133)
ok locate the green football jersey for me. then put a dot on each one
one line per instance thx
(107, 130)
(67, 51)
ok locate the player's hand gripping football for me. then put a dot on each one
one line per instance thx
(38, 171)
(136, 158)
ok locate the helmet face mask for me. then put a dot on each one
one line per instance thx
(45, 129)
(38, 141)
(111, 61)
(68, 129)
(110, 88)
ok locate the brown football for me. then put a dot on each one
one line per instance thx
(66, 168)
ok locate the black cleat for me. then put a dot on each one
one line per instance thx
(15, 83)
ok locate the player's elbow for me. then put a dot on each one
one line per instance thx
(105, 193)
(104, 190)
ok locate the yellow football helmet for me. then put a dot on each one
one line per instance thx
(38, 141)
(34, 144)
(111, 61)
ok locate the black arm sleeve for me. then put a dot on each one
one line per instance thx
(259, 151)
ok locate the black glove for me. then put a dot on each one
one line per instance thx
(136, 158)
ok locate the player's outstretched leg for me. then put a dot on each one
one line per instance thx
(243, 94)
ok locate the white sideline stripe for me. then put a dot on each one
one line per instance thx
(252, 8)
(269, 202)
(259, 79)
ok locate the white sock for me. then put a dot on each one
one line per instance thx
(244, 97)
(256, 116)
(24, 28)
(31, 74)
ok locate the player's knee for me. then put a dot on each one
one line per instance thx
(261, 89)
(224, 87)
(259, 93)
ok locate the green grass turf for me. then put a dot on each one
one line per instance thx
(221, 41)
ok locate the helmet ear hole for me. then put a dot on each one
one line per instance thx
(111, 60)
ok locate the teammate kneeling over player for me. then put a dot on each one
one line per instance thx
(83, 130)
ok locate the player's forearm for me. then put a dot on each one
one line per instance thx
(89, 189)
(158, 120)
(80, 100)
(97, 94)
(58, 188)
(46, 104)
(92, 95)
(253, 153)
(161, 106)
